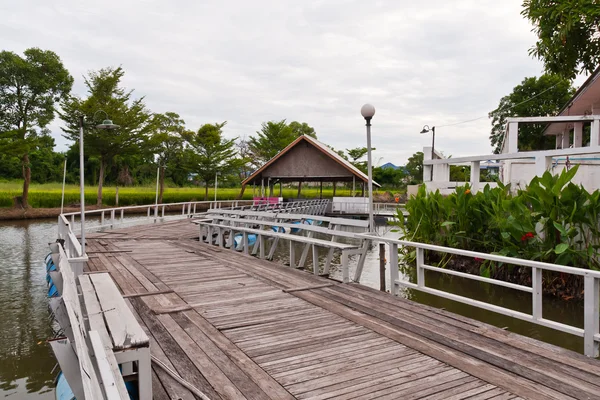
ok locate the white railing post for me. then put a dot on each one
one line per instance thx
(536, 295)
(542, 164)
(513, 137)
(578, 134)
(122, 215)
(595, 132)
(591, 316)
(163, 211)
(112, 219)
(420, 270)
(475, 176)
(102, 218)
(394, 273)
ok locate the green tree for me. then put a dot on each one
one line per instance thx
(415, 168)
(210, 153)
(274, 136)
(105, 93)
(568, 34)
(29, 88)
(389, 177)
(533, 97)
(356, 154)
(302, 128)
(166, 143)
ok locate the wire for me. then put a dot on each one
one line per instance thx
(509, 108)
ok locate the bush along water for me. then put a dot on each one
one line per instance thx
(552, 220)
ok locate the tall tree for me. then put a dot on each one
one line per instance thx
(106, 94)
(166, 143)
(568, 34)
(274, 136)
(302, 128)
(415, 167)
(210, 152)
(533, 97)
(29, 88)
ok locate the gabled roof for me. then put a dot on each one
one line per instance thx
(587, 94)
(320, 146)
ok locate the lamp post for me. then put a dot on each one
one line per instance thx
(368, 111)
(426, 129)
(106, 124)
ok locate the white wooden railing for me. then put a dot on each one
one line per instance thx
(527, 164)
(111, 217)
(591, 330)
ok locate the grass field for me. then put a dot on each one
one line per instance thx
(48, 195)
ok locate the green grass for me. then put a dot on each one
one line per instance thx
(48, 195)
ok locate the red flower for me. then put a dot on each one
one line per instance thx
(527, 236)
(479, 259)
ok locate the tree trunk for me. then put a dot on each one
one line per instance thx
(26, 181)
(206, 190)
(239, 197)
(161, 184)
(100, 182)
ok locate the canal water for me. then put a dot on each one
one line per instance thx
(26, 361)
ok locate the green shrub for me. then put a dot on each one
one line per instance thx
(552, 220)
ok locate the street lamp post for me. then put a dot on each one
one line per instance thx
(426, 129)
(368, 111)
(107, 124)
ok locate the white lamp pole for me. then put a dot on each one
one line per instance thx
(368, 111)
(106, 124)
(62, 199)
(82, 195)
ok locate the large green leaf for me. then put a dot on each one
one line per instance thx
(561, 248)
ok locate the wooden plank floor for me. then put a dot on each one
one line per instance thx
(223, 321)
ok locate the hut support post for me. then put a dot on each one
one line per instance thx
(353, 186)
(280, 190)
(334, 184)
(299, 188)
(321, 191)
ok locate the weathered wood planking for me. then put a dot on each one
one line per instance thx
(238, 334)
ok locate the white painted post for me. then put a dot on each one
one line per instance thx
(420, 271)
(513, 137)
(122, 214)
(112, 219)
(578, 134)
(102, 218)
(536, 294)
(315, 257)
(394, 273)
(542, 164)
(558, 141)
(595, 133)
(427, 168)
(475, 176)
(566, 139)
(245, 242)
(591, 316)
(345, 270)
(261, 247)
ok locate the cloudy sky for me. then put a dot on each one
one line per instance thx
(435, 62)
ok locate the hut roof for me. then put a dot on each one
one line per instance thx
(307, 160)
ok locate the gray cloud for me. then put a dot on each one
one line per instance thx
(430, 62)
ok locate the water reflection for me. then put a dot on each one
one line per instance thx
(26, 359)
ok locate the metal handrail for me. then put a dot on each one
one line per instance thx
(591, 330)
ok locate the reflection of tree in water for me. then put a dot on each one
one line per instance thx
(23, 312)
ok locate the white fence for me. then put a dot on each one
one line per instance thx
(590, 333)
(519, 167)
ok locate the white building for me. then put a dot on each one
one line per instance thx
(577, 132)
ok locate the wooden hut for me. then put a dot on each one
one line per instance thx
(305, 160)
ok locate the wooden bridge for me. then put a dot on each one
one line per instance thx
(235, 326)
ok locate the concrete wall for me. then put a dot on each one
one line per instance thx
(520, 172)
